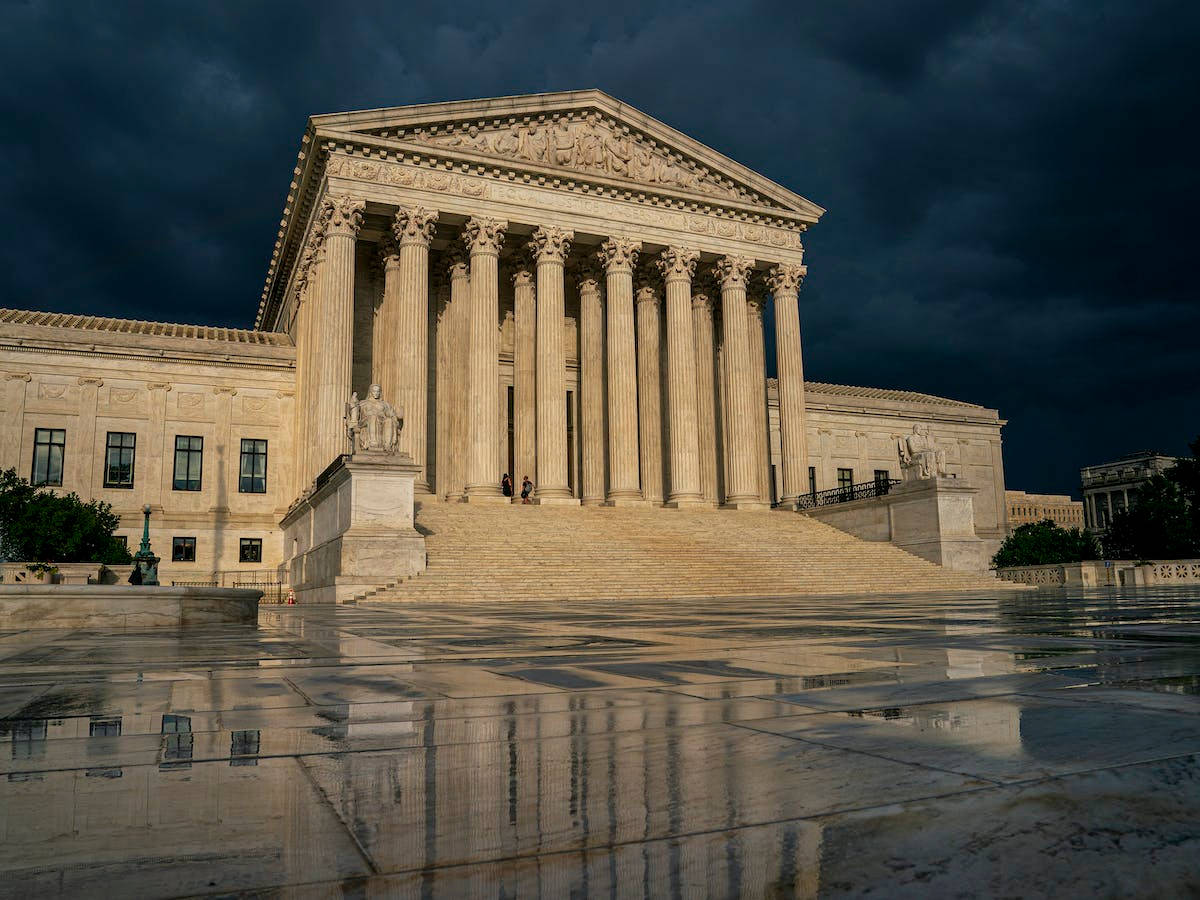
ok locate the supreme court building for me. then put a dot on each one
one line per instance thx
(554, 285)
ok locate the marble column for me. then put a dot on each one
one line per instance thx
(443, 356)
(758, 387)
(742, 482)
(404, 325)
(706, 391)
(307, 287)
(784, 281)
(591, 385)
(525, 349)
(649, 372)
(483, 237)
(460, 309)
(619, 256)
(334, 329)
(677, 266)
(550, 247)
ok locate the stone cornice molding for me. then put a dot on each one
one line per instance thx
(733, 271)
(786, 278)
(345, 215)
(482, 235)
(678, 263)
(619, 254)
(414, 225)
(551, 244)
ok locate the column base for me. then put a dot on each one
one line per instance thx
(746, 503)
(626, 501)
(686, 503)
(593, 501)
(556, 501)
(495, 499)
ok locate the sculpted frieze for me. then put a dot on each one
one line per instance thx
(592, 144)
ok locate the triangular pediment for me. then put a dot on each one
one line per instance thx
(585, 134)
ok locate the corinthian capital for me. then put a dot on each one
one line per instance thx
(588, 278)
(619, 254)
(678, 263)
(646, 294)
(414, 225)
(733, 271)
(551, 245)
(344, 214)
(456, 264)
(704, 290)
(522, 277)
(483, 235)
(389, 251)
(785, 278)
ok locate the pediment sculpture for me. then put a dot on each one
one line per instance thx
(920, 457)
(373, 425)
(592, 144)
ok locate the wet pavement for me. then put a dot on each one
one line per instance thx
(1027, 746)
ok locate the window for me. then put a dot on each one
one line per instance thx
(29, 739)
(105, 727)
(845, 478)
(883, 480)
(812, 480)
(118, 459)
(189, 459)
(253, 478)
(49, 445)
(183, 549)
(122, 539)
(243, 748)
(178, 743)
(250, 550)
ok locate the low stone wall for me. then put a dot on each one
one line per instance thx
(1165, 572)
(1091, 573)
(122, 607)
(62, 573)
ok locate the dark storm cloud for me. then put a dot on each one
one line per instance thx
(1010, 185)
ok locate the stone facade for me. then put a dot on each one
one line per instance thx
(1026, 508)
(552, 285)
(1109, 488)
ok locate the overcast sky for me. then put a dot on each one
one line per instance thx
(1010, 186)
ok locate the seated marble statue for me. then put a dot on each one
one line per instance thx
(920, 457)
(372, 424)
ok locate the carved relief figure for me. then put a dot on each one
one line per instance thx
(372, 424)
(919, 456)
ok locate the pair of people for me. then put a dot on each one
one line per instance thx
(506, 487)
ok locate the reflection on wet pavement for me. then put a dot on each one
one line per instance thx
(915, 746)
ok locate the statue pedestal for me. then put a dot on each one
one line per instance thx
(354, 533)
(934, 518)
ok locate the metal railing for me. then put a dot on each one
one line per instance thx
(272, 591)
(193, 584)
(845, 494)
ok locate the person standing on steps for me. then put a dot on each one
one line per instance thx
(506, 485)
(526, 489)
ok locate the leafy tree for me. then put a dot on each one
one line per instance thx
(38, 525)
(1042, 543)
(1163, 521)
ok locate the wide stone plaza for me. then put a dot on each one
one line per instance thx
(907, 746)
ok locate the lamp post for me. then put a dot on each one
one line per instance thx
(145, 559)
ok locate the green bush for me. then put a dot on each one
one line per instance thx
(1043, 543)
(39, 526)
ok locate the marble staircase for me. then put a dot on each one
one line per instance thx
(515, 552)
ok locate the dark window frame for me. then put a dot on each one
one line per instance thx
(253, 454)
(181, 541)
(50, 444)
(188, 451)
(109, 447)
(882, 477)
(845, 478)
(243, 544)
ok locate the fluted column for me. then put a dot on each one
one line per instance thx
(706, 390)
(525, 351)
(483, 238)
(307, 289)
(649, 371)
(591, 385)
(334, 318)
(758, 389)
(741, 481)
(677, 266)
(784, 281)
(460, 304)
(403, 322)
(618, 256)
(443, 376)
(550, 247)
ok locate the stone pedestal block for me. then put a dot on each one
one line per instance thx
(354, 533)
(934, 519)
